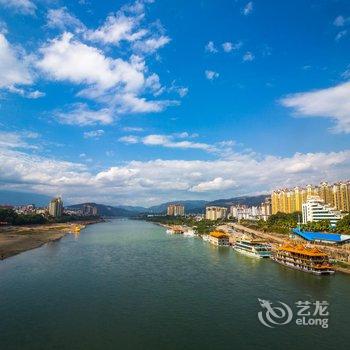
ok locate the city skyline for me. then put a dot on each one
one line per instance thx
(135, 103)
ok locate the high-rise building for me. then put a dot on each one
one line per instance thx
(315, 209)
(176, 210)
(291, 200)
(56, 207)
(90, 210)
(266, 209)
(215, 213)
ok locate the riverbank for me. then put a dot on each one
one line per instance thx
(338, 253)
(17, 239)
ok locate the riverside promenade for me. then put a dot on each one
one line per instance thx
(336, 252)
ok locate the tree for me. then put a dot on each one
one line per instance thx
(343, 224)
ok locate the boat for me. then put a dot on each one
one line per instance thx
(254, 248)
(169, 231)
(189, 233)
(303, 258)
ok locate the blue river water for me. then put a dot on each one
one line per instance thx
(126, 284)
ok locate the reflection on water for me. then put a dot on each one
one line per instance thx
(127, 285)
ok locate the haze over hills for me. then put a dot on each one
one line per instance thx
(193, 206)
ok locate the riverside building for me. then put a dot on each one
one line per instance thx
(291, 200)
(314, 209)
(176, 210)
(215, 213)
(56, 207)
(219, 239)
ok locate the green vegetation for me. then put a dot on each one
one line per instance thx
(12, 218)
(280, 223)
(283, 223)
(343, 225)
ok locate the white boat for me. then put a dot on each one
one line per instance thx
(169, 231)
(189, 233)
(205, 238)
(256, 249)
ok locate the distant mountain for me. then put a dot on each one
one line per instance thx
(244, 200)
(23, 198)
(106, 210)
(191, 206)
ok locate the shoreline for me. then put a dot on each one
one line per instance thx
(275, 238)
(18, 239)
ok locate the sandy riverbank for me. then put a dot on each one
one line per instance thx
(18, 239)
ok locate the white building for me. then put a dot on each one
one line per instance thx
(314, 209)
(215, 213)
(240, 212)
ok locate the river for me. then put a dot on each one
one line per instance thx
(126, 284)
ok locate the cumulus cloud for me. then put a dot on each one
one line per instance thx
(66, 58)
(61, 18)
(14, 67)
(216, 184)
(25, 7)
(333, 103)
(136, 181)
(211, 75)
(116, 28)
(248, 8)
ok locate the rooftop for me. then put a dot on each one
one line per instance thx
(321, 236)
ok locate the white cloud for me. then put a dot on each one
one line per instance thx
(133, 128)
(116, 28)
(248, 8)
(211, 75)
(170, 141)
(93, 134)
(65, 58)
(228, 46)
(339, 21)
(130, 139)
(135, 182)
(333, 103)
(60, 18)
(25, 7)
(210, 47)
(216, 184)
(151, 45)
(14, 67)
(13, 140)
(115, 82)
(248, 57)
(81, 114)
(340, 35)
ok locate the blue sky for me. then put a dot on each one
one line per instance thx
(148, 101)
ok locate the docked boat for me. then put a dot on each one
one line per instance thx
(303, 258)
(189, 233)
(254, 248)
